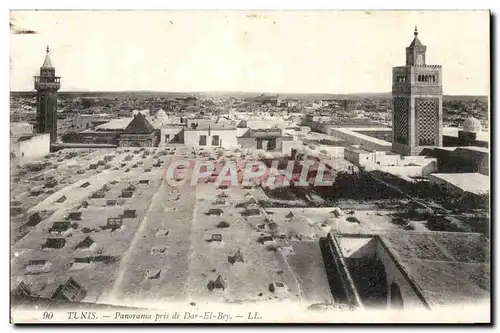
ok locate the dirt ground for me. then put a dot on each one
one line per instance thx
(165, 252)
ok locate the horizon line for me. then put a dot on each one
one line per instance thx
(232, 92)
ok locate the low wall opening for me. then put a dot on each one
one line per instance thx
(366, 269)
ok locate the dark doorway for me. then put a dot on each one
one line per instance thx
(368, 274)
(271, 144)
(396, 297)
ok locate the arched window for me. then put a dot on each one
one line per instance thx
(434, 78)
(396, 297)
(418, 78)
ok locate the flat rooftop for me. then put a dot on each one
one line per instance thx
(115, 124)
(475, 183)
(370, 129)
(483, 150)
(453, 131)
(443, 267)
(368, 138)
(446, 266)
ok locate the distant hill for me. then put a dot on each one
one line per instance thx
(465, 98)
(316, 96)
(109, 94)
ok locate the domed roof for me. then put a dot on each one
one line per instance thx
(472, 125)
(161, 113)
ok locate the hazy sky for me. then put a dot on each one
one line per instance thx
(292, 51)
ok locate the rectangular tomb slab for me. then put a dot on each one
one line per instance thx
(98, 194)
(110, 202)
(34, 219)
(158, 250)
(127, 194)
(15, 210)
(114, 222)
(60, 226)
(71, 291)
(153, 274)
(54, 243)
(75, 215)
(37, 267)
(214, 211)
(129, 213)
(162, 232)
(216, 238)
(85, 243)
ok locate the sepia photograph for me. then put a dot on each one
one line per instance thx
(249, 166)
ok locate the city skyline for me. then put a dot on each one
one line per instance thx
(245, 51)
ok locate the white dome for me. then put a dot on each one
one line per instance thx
(161, 113)
(472, 125)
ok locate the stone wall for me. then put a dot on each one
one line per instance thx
(37, 146)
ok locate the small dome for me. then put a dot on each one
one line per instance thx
(161, 113)
(472, 125)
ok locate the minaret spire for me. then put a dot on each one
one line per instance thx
(47, 63)
(414, 33)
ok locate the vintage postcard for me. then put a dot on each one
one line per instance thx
(249, 166)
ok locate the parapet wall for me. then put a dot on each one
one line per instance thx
(343, 271)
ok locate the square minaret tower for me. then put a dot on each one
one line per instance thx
(47, 84)
(417, 98)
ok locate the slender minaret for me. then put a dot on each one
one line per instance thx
(417, 95)
(47, 85)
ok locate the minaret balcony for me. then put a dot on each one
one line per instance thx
(47, 79)
(47, 85)
(47, 82)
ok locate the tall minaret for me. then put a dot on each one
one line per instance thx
(417, 95)
(47, 85)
